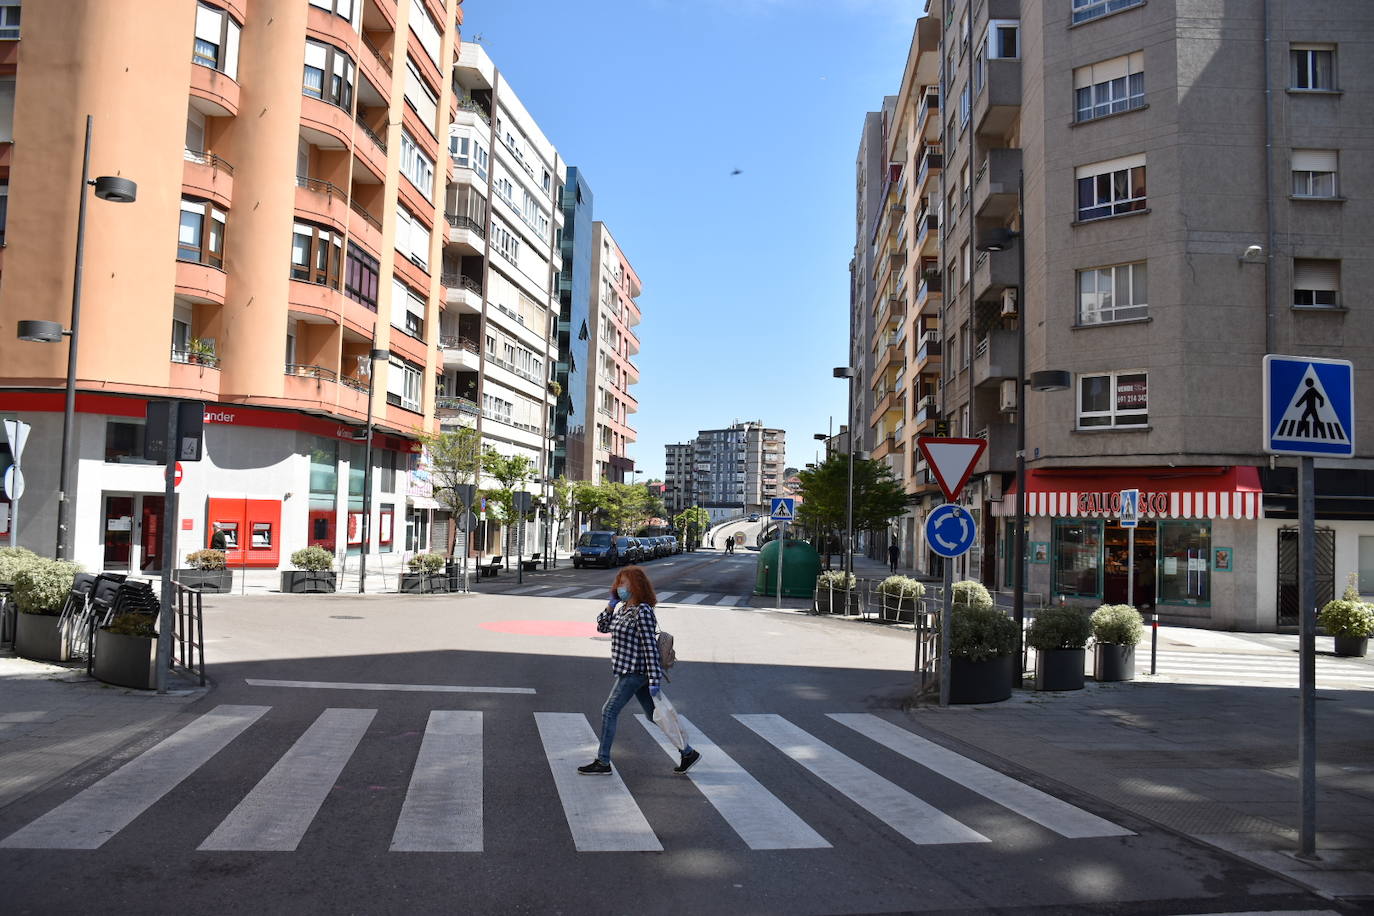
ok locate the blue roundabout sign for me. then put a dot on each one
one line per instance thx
(950, 530)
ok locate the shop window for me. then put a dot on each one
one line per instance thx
(1366, 565)
(1078, 558)
(386, 526)
(1184, 562)
(1113, 399)
(124, 442)
(387, 471)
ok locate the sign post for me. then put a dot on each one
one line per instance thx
(17, 434)
(1130, 518)
(1309, 411)
(784, 510)
(521, 503)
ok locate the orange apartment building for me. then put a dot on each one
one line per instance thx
(614, 314)
(291, 169)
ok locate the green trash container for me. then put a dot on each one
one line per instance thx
(801, 565)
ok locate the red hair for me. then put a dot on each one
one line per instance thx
(637, 581)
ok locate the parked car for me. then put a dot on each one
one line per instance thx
(753, 516)
(674, 545)
(661, 548)
(628, 549)
(597, 548)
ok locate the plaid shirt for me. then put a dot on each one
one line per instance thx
(634, 640)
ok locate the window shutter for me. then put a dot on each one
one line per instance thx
(231, 51)
(1311, 273)
(208, 24)
(1314, 160)
(1111, 165)
(315, 55)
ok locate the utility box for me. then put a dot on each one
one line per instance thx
(800, 567)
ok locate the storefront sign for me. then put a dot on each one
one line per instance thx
(1108, 502)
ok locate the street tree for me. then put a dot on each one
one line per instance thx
(878, 497)
(692, 522)
(563, 503)
(455, 459)
(512, 472)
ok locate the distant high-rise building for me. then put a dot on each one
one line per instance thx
(677, 476)
(576, 356)
(613, 316)
(733, 470)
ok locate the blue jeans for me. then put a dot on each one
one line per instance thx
(625, 687)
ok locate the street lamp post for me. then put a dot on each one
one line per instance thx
(373, 355)
(848, 372)
(117, 190)
(1046, 380)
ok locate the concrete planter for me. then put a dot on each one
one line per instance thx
(42, 637)
(980, 682)
(899, 608)
(305, 581)
(424, 583)
(216, 581)
(1352, 646)
(127, 661)
(1113, 662)
(836, 601)
(1059, 669)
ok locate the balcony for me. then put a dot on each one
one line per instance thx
(463, 292)
(892, 309)
(929, 347)
(932, 160)
(208, 175)
(194, 371)
(890, 355)
(321, 201)
(995, 189)
(994, 359)
(928, 124)
(997, 106)
(455, 411)
(927, 412)
(995, 271)
(460, 353)
(928, 296)
(1000, 455)
(927, 233)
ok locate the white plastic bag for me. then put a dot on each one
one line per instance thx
(665, 717)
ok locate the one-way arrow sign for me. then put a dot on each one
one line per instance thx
(951, 461)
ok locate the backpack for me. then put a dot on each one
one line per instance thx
(667, 657)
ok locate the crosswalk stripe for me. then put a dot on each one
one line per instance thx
(90, 818)
(1322, 670)
(559, 591)
(694, 599)
(1046, 810)
(414, 688)
(592, 593)
(756, 814)
(667, 596)
(601, 813)
(899, 809)
(275, 815)
(728, 601)
(527, 590)
(443, 807)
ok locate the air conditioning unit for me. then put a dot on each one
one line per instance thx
(1008, 303)
(1009, 395)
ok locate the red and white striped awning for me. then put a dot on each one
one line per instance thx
(1193, 492)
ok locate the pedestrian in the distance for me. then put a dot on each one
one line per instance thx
(629, 618)
(218, 540)
(894, 553)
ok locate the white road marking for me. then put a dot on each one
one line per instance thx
(420, 688)
(559, 591)
(666, 596)
(756, 814)
(601, 813)
(443, 807)
(1046, 810)
(594, 593)
(275, 815)
(528, 589)
(88, 819)
(899, 809)
(695, 599)
(728, 601)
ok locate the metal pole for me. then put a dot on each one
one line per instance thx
(1130, 566)
(1154, 641)
(946, 622)
(164, 617)
(519, 548)
(782, 545)
(1307, 656)
(1018, 605)
(69, 410)
(849, 492)
(367, 469)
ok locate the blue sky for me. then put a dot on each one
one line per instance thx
(746, 283)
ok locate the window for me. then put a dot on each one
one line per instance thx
(1316, 283)
(980, 69)
(360, 276)
(416, 166)
(1312, 67)
(316, 253)
(9, 20)
(1083, 10)
(216, 41)
(965, 105)
(1314, 172)
(341, 8)
(200, 239)
(1109, 87)
(412, 237)
(6, 109)
(1184, 574)
(386, 524)
(421, 98)
(1004, 39)
(1113, 399)
(124, 442)
(505, 241)
(403, 384)
(407, 309)
(4, 208)
(1111, 188)
(181, 340)
(496, 408)
(1366, 583)
(1116, 293)
(324, 482)
(469, 153)
(424, 28)
(1077, 555)
(328, 74)
(386, 471)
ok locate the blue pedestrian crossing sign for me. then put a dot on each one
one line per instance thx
(1309, 406)
(950, 530)
(784, 509)
(1130, 508)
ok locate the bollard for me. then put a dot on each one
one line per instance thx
(1154, 640)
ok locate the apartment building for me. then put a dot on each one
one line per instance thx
(1160, 297)
(575, 360)
(502, 259)
(287, 224)
(613, 316)
(738, 469)
(678, 480)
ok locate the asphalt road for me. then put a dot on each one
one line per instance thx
(336, 769)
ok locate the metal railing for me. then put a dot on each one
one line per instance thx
(452, 402)
(188, 637)
(355, 384)
(218, 163)
(448, 342)
(367, 217)
(320, 186)
(458, 221)
(303, 370)
(190, 357)
(381, 144)
(376, 53)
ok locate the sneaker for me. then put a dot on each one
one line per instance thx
(595, 768)
(687, 761)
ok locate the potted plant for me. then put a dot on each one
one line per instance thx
(314, 571)
(1116, 630)
(900, 595)
(202, 352)
(426, 574)
(1059, 636)
(206, 570)
(835, 593)
(41, 587)
(982, 644)
(126, 651)
(13, 559)
(1349, 620)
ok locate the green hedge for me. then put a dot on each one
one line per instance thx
(42, 586)
(1117, 624)
(13, 559)
(901, 587)
(1344, 617)
(1059, 628)
(981, 633)
(313, 559)
(427, 563)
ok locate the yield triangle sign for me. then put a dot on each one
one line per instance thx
(951, 461)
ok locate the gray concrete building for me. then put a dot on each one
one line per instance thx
(677, 476)
(734, 471)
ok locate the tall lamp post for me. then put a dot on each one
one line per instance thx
(373, 355)
(1045, 380)
(848, 373)
(120, 191)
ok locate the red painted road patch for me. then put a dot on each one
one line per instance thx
(542, 627)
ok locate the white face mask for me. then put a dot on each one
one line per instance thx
(624, 593)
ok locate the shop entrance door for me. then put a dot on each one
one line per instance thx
(133, 532)
(1288, 572)
(119, 532)
(150, 533)
(1114, 573)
